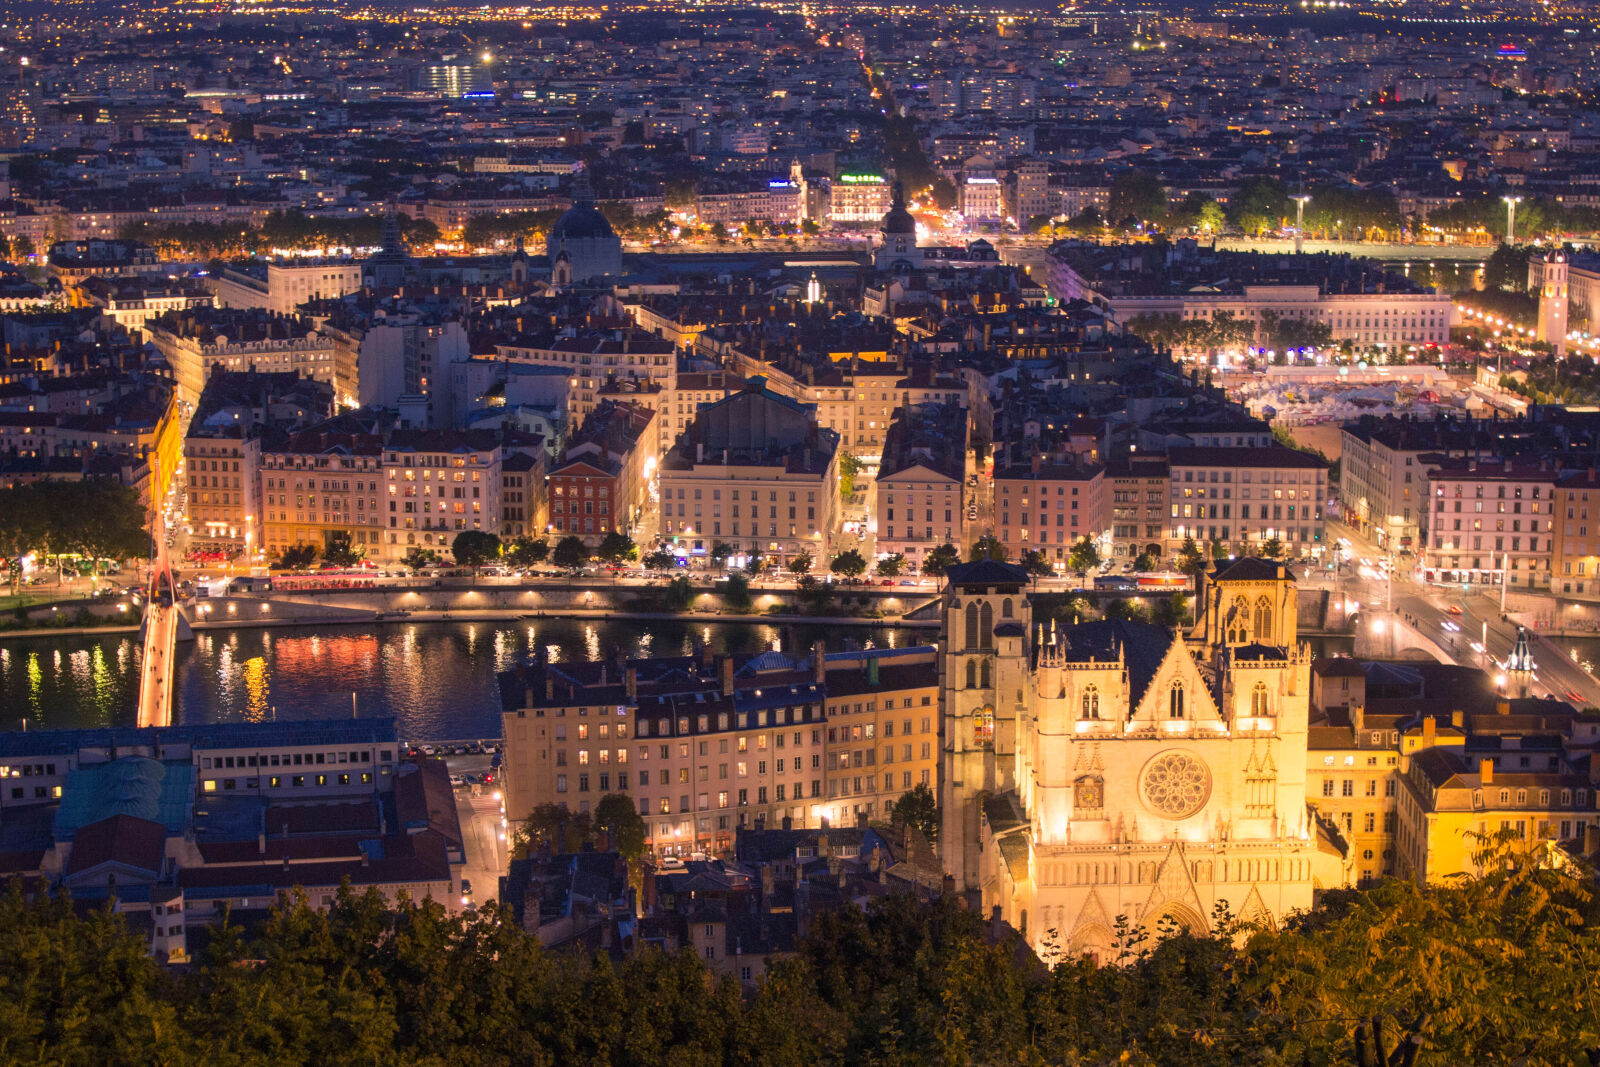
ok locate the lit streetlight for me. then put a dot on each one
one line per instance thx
(1299, 217)
(1511, 216)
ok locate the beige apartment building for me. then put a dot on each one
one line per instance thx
(1575, 545)
(1383, 481)
(1491, 520)
(318, 483)
(1247, 497)
(756, 471)
(1138, 488)
(919, 495)
(1048, 507)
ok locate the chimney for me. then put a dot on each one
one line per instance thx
(1486, 771)
(819, 662)
(1458, 719)
(1358, 717)
(822, 839)
(726, 671)
(1430, 730)
(631, 680)
(1035, 463)
(705, 657)
(996, 923)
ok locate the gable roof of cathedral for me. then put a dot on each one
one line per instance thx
(1251, 569)
(1143, 647)
(985, 572)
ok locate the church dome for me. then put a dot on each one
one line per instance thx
(580, 221)
(899, 220)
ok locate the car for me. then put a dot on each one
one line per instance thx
(1574, 695)
(1454, 609)
(457, 780)
(908, 581)
(887, 581)
(466, 894)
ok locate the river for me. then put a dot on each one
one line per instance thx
(438, 678)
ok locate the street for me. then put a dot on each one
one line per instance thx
(483, 833)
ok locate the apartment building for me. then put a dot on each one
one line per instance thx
(1491, 521)
(696, 389)
(756, 471)
(1575, 546)
(282, 286)
(1383, 480)
(199, 338)
(1049, 506)
(919, 495)
(321, 482)
(1246, 497)
(859, 198)
(601, 483)
(1138, 486)
(440, 483)
(606, 353)
(224, 511)
(524, 503)
(710, 743)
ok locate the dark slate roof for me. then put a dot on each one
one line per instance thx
(1143, 646)
(986, 572)
(124, 839)
(1249, 569)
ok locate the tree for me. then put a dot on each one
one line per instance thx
(849, 467)
(1034, 562)
(721, 552)
(662, 559)
(474, 548)
(940, 559)
(1137, 195)
(891, 565)
(542, 830)
(1146, 562)
(848, 564)
(1084, 556)
(1212, 218)
(1174, 610)
(735, 589)
(1219, 551)
(297, 557)
(679, 594)
(988, 547)
(617, 816)
(527, 551)
(918, 809)
(800, 563)
(1191, 560)
(570, 552)
(816, 596)
(616, 548)
(419, 558)
(1258, 205)
(1272, 548)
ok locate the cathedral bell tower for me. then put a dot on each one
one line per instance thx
(983, 693)
(1550, 275)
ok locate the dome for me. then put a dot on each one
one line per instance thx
(899, 220)
(580, 221)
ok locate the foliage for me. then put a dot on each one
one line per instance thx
(1259, 204)
(550, 828)
(679, 594)
(849, 467)
(1084, 556)
(1507, 268)
(891, 565)
(661, 559)
(735, 589)
(1034, 562)
(1191, 560)
(1491, 968)
(96, 518)
(1174, 610)
(1137, 195)
(570, 552)
(1272, 548)
(816, 597)
(617, 815)
(800, 563)
(526, 551)
(848, 564)
(988, 547)
(1554, 381)
(474, 548)
(1283, 332)
(1146, 562)
(617, 547)
(721, 551)
(297, 557)
(918, 809)
(340, 550)
(1346, 211)
(418, 558)
(940, 559)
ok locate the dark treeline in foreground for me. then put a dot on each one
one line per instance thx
(1501, 969)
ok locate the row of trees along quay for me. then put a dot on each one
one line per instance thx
(1491, 968)
(76, 525)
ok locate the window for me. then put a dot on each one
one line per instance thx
(1258, 700)
(1091, 703)
(983, 727)
(1175, 701)
(1263, 622)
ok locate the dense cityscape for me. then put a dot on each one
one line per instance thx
(850, 533)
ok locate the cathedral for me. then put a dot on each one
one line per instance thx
(1119, 770)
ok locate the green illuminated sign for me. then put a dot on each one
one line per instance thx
(861, 179)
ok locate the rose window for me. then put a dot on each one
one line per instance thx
(1176, 785)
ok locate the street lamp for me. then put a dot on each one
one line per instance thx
(1511, 216)
(1299, 217)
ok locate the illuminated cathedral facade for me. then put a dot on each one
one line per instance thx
(1120, 770)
